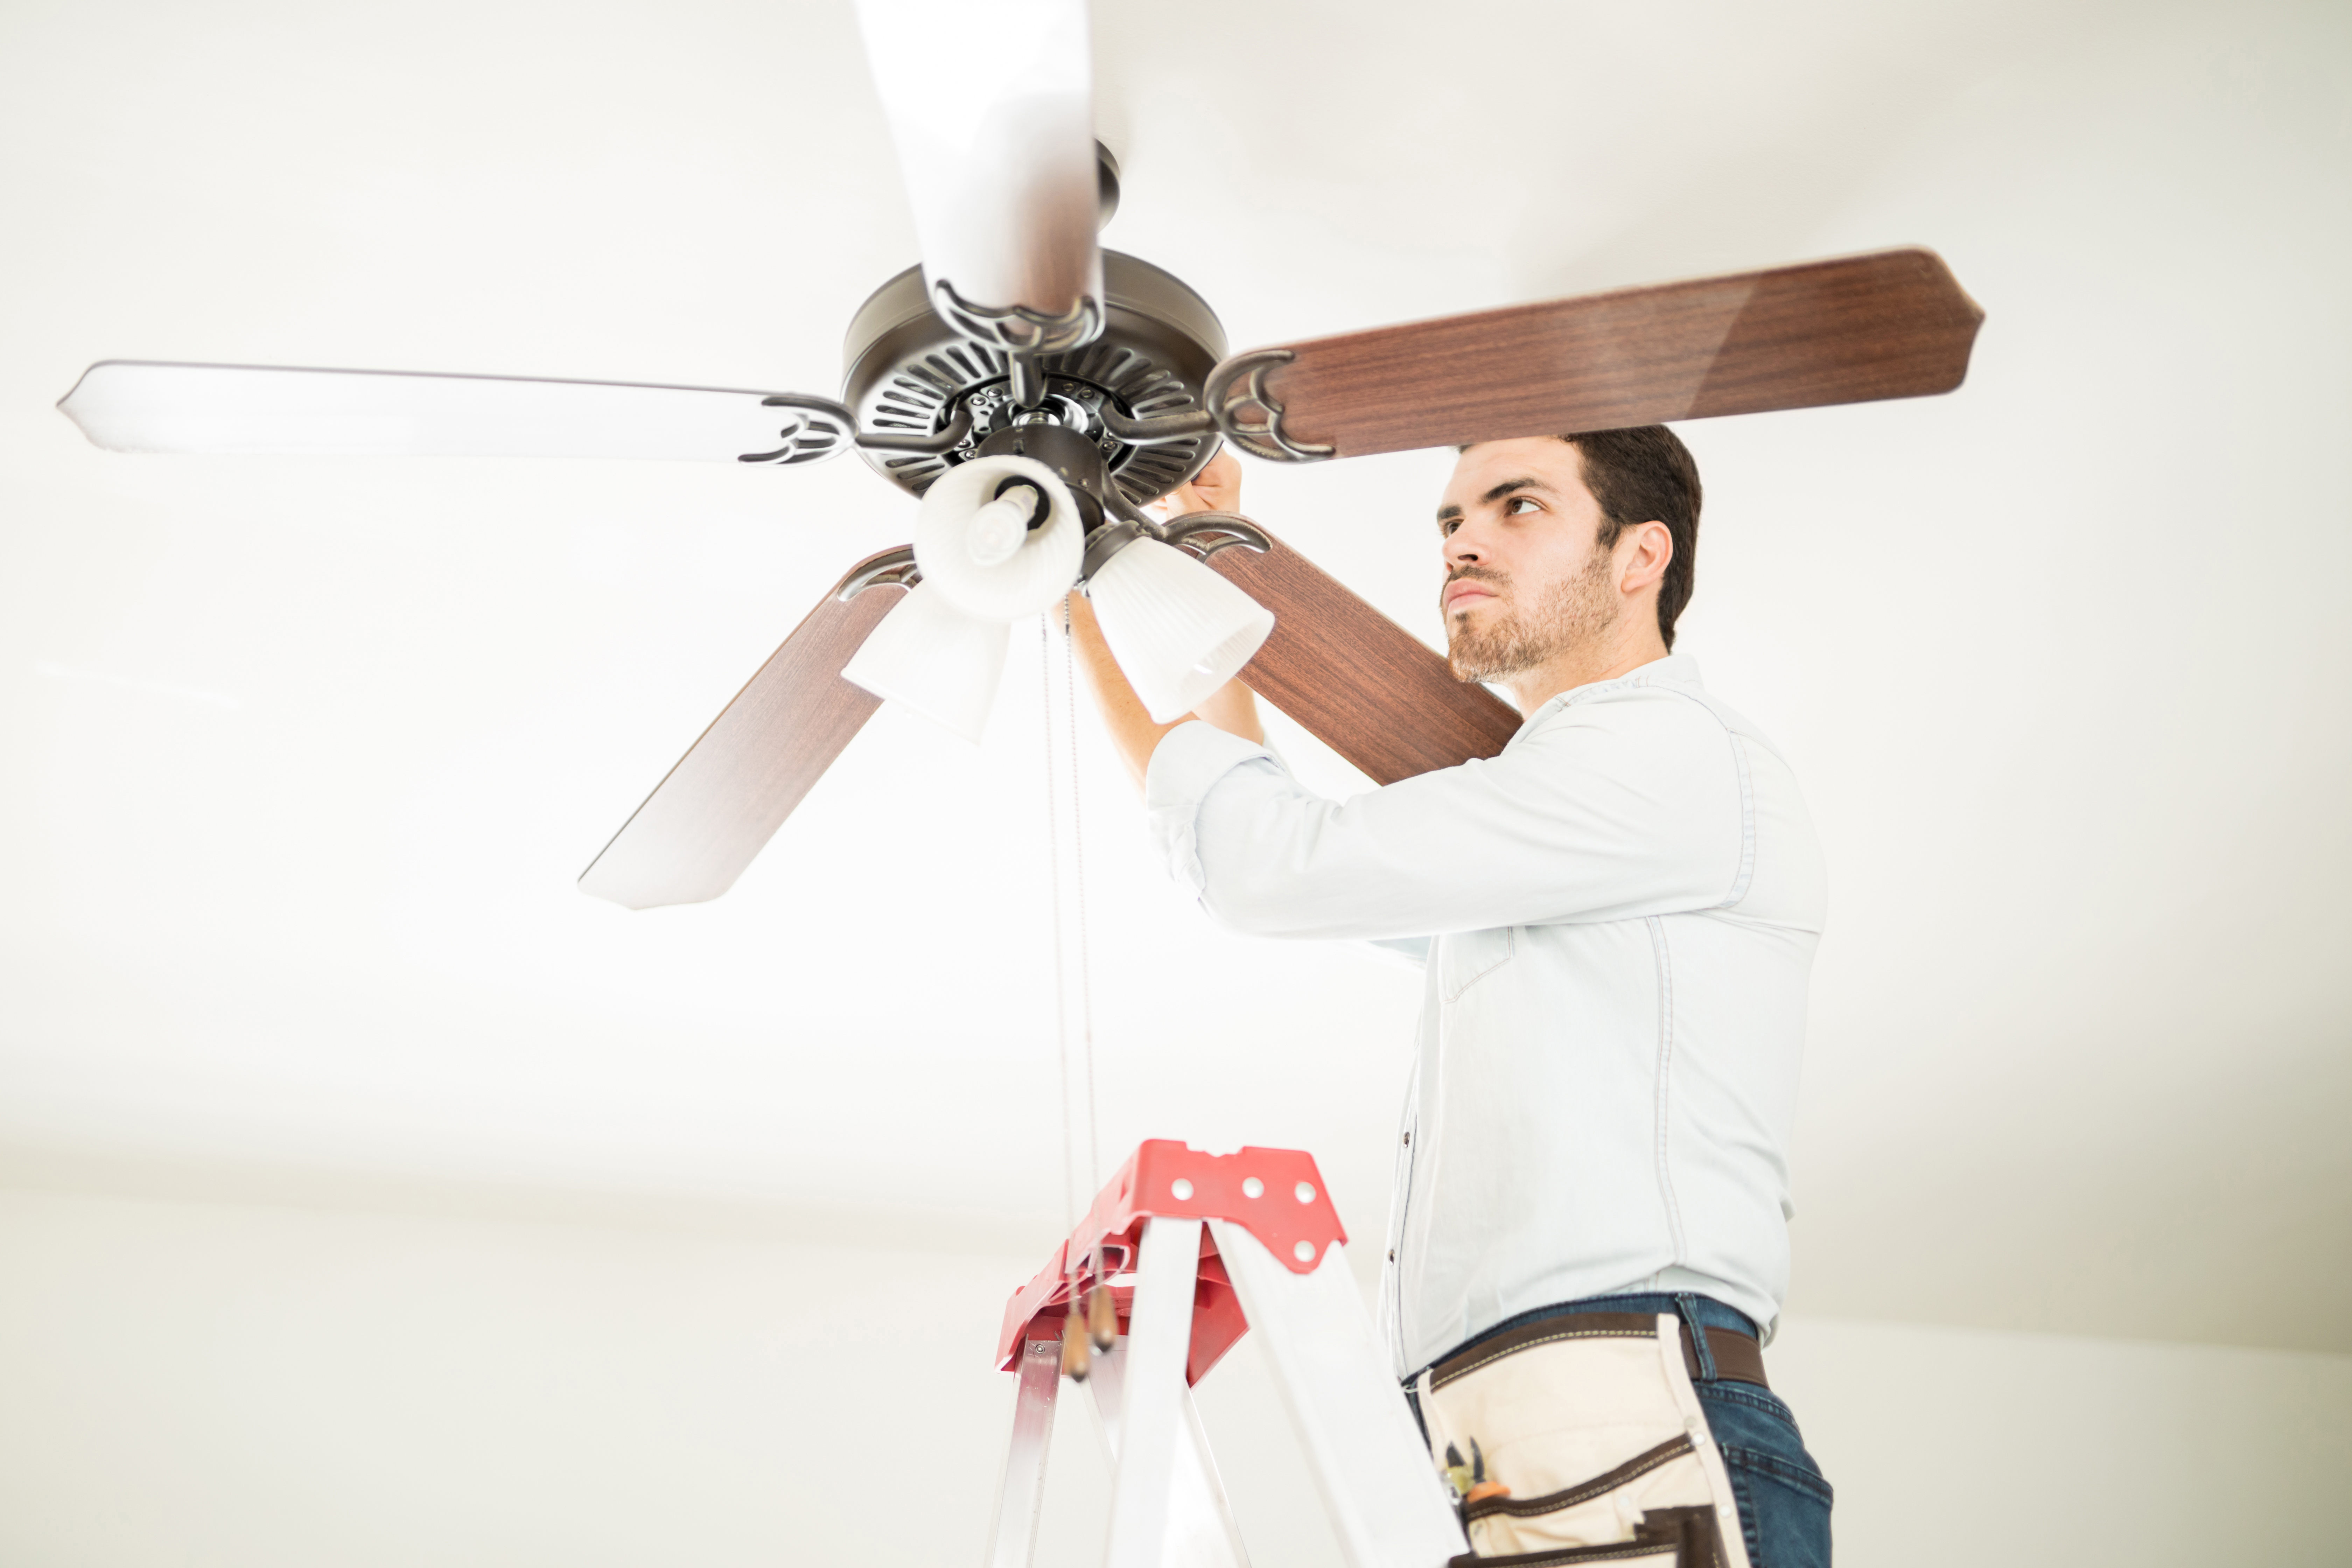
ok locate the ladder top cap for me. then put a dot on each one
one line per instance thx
(1276, 1194)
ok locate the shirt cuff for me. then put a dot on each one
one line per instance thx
(1185, 765)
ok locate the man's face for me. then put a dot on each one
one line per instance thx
(1525, 580)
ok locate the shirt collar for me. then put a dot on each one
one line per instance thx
(1676, 669)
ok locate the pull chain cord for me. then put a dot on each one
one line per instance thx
(1089, 1319)
(1061, 987)
(1079, 858)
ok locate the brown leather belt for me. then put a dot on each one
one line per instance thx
(1737, 1356)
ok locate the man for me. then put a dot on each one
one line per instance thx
(1617, 917)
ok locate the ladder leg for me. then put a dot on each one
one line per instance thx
(1013, 1534)
(1200, 1528)
(1151, 1423)
(1202, 1532)
(1383, 1494)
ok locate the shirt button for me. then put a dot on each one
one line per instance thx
(1408, 1140)
(1391, 1255)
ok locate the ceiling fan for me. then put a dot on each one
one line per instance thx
(1038, 392)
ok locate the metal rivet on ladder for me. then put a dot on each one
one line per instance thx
(1304, 1250)
(1306, 1190)
(1181, 1188)
(1252, 1187)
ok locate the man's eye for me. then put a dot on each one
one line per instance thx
(1518, 501)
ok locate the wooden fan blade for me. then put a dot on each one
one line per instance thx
(996, 148)
(1360, 683)
(1894, 323)
(727, 797)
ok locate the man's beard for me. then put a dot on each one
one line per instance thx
(1572, 611)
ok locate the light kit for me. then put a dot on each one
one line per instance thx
(1000, 539)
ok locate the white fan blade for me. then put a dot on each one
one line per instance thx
(130, 406)
(996, 145)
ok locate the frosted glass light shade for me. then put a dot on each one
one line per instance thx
(1179, 630)
(986, 582)
(929, 656)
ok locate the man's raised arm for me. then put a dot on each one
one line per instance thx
(1616, 809)
(1613, 810)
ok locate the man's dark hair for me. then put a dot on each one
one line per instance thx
(1647, 475)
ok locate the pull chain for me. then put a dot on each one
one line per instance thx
(1091, 1320)
(1078, 865)
(1061, 987)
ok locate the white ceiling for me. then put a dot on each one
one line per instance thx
(302, 756)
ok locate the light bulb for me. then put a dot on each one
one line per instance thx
(1000, 528)
(965, 523)
(930, 657)
(1178, 629)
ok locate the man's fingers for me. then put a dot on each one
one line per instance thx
(1222, 479)
(1216, 488)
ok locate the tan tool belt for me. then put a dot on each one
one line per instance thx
(1580, 1438)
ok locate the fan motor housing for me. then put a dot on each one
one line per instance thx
(908, 372)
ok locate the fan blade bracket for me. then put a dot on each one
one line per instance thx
(1236, 386)
(891, 569)
(957, 430)
(1202, 533)
(820, 428)
(1155, 429)
(1020, 330)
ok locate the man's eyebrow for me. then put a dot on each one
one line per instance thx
(1448, 513)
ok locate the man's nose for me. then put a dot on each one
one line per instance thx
(1461, 548)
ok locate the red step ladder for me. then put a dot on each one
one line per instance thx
(1196, 1249)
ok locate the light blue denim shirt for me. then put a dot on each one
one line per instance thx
(1619, 915)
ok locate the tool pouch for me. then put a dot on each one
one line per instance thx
(1591, 1422)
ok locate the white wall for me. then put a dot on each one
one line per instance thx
(1953, 1447)
(273, 1385)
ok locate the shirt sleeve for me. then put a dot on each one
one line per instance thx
(1187, 763)
(1606, 810)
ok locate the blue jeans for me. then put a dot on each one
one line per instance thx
(1784, 1502)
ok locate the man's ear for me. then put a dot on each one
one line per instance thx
(1643, 556)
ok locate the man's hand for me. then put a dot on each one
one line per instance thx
(1216, 488)
(1232, 708)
